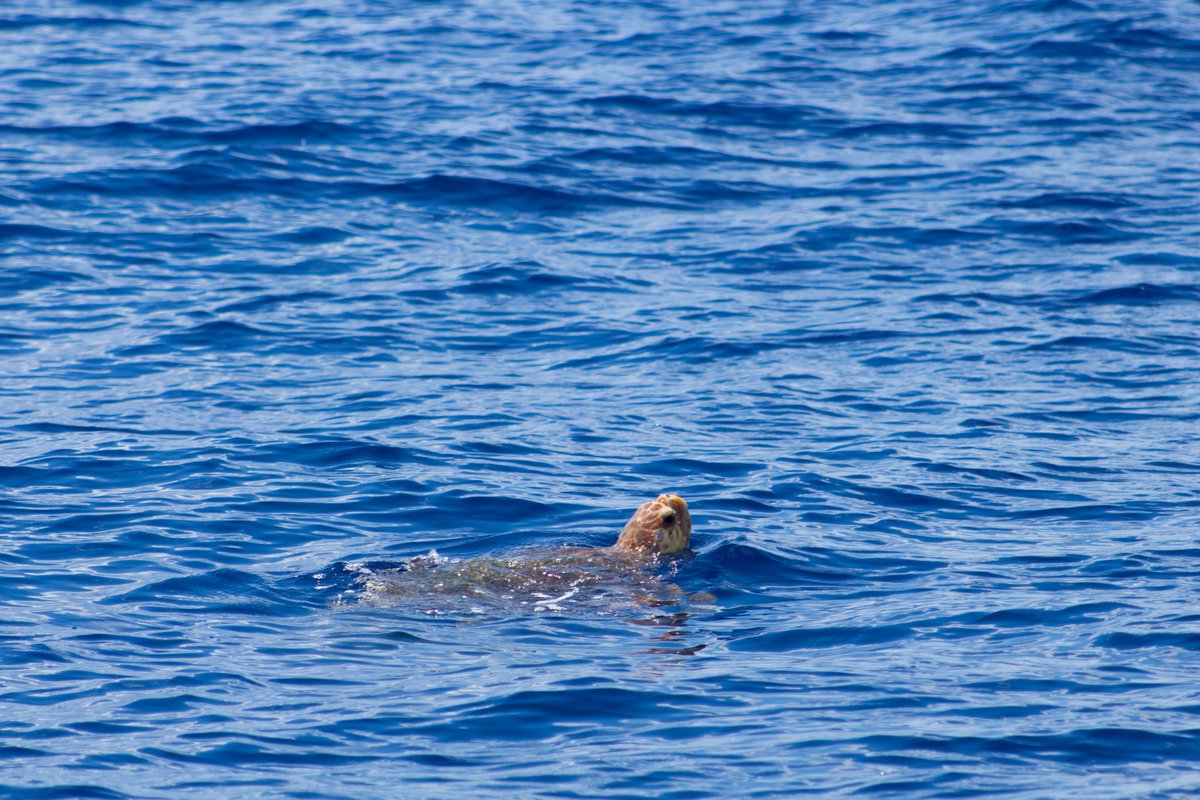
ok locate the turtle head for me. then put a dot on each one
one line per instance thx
(661, 526)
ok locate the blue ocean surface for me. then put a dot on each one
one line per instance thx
(300, 295)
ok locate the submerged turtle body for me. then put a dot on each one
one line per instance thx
(610, 578)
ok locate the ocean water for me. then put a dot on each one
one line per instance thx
(902, 296)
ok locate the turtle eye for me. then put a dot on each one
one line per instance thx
(668, 518)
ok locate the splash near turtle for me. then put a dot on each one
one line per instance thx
(633, 574)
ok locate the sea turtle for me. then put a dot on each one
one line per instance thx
(606, 578)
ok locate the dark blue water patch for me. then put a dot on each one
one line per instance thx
(820, 638)
(21, 21)
(222, 591)
(1121, 640)
(981, 474)
(264, 302)
(521, 715)
(1057, 200)
(1095, 746)
(720, 114)
(681, 467)
(64, 791)
(315, 235)
(1158, 259)
(244, 755)
(1175, 466)
(1040, 617)
(1091, 511)
(35, 654)
(1086, 230)
(480, 193)
(181, 132)
(521, 279)
(16, 283)
(749, 568)
(683, 156)
(1141, 294)
(940, 133)
(21, 232)
(108, 727)
(212, 179)
(1103, 343)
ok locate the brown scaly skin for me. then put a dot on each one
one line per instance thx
(545, 578)
(662, 526)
